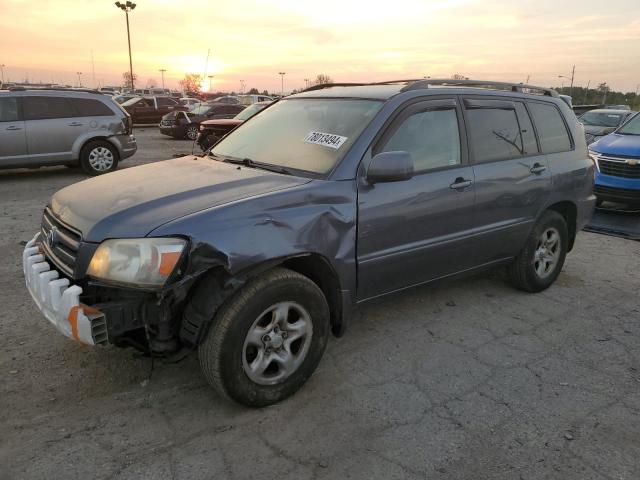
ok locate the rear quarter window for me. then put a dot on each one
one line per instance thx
(8, 109)
(86, 107)
(551, 128)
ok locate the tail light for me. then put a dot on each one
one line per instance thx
(127, 125)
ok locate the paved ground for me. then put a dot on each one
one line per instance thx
(471, 380)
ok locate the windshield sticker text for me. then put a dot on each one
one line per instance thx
(327, 139)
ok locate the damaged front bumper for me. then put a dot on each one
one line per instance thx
(59, 300)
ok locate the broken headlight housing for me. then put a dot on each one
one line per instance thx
(139, 262)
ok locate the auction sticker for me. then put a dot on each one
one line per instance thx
(326, 139)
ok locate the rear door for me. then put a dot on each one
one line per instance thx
(417, 230)
(51, 128)
(512, 177)
(13, 139)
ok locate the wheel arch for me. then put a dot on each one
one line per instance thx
(569, 212)
(77, 150)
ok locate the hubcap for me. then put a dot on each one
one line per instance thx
(101, 159)
(547, 253)
(192, 133)
(277, 343)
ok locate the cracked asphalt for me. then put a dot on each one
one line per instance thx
(465, 380)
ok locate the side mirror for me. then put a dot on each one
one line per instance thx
(390, 167)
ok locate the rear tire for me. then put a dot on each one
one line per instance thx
(541, 260)
(98, 157)
(267, 339)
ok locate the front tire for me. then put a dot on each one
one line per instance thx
(98, 157)
(267, 339)
(541, 260)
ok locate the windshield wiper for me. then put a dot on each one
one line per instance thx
(247, 162)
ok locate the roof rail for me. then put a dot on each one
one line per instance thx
(513, 87)
(358, 84)
(19, 88)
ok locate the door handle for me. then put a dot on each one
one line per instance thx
(537, 168)
(13, 128)
(75, 124)
(460, 183)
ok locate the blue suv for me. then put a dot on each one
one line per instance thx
(617, 157)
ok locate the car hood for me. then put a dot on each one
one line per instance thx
(134, 201)
(616, 144)
(223, 121)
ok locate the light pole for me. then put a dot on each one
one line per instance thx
(306, 83)
(2, 65)
(633, 104)
(573, 73)
(79, 80)
(126, 8)
(210, 77)
(281, 83)
(241, 87)
(162, 70)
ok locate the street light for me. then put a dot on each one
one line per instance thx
(573, 73)
(126, 8)
(162, 70)
(79, 80)
(281, 83)
(2, 73)
(210, 77)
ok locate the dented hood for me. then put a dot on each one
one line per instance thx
(133, 201)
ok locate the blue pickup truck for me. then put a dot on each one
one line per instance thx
(618, 159)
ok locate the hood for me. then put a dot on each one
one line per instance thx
(598, 130)
(616, 144)
(223, 122)
(134, 201)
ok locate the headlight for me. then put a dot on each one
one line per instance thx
(594, 156)
(143, 262)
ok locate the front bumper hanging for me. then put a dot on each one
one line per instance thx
(59, 301)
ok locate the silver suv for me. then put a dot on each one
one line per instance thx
(63, 127)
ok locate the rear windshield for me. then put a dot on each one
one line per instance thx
(632, 127)
(601, 119)
(303, 134)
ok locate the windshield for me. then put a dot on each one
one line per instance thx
(249, 112)
(632, 127)
(601, 119)
(309, 135)
(131, 101)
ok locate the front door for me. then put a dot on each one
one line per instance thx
(13, 139)
(417, 230)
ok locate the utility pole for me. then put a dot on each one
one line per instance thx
(306, 83)
(162, 70)
(527, 82)
(635, 97)
(282, 83)
(573, 74)
(79, 80)
(126, 8)
(586, 92)
(2, 65)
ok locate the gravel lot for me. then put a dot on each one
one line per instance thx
(468, 380)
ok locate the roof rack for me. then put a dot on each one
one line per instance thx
(57, 89)
(513, 87)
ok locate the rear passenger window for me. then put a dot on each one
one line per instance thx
(494, 133)
(8, 109)
(551, 128)
(432, 138)
(86, 107)
(43, 108)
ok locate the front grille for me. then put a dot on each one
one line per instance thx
(620, 168)
(621, 193)
(60, 242)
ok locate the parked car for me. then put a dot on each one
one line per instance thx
(63, 127)
(601, 122)
(211, 131)
(617, 157)
(251, 99)
(190, 102)
(329, 198)
(226, 99)
(187, 124)
(151, 109)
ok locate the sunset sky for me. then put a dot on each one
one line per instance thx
(345, 39)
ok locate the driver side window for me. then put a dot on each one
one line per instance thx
(431, 137)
